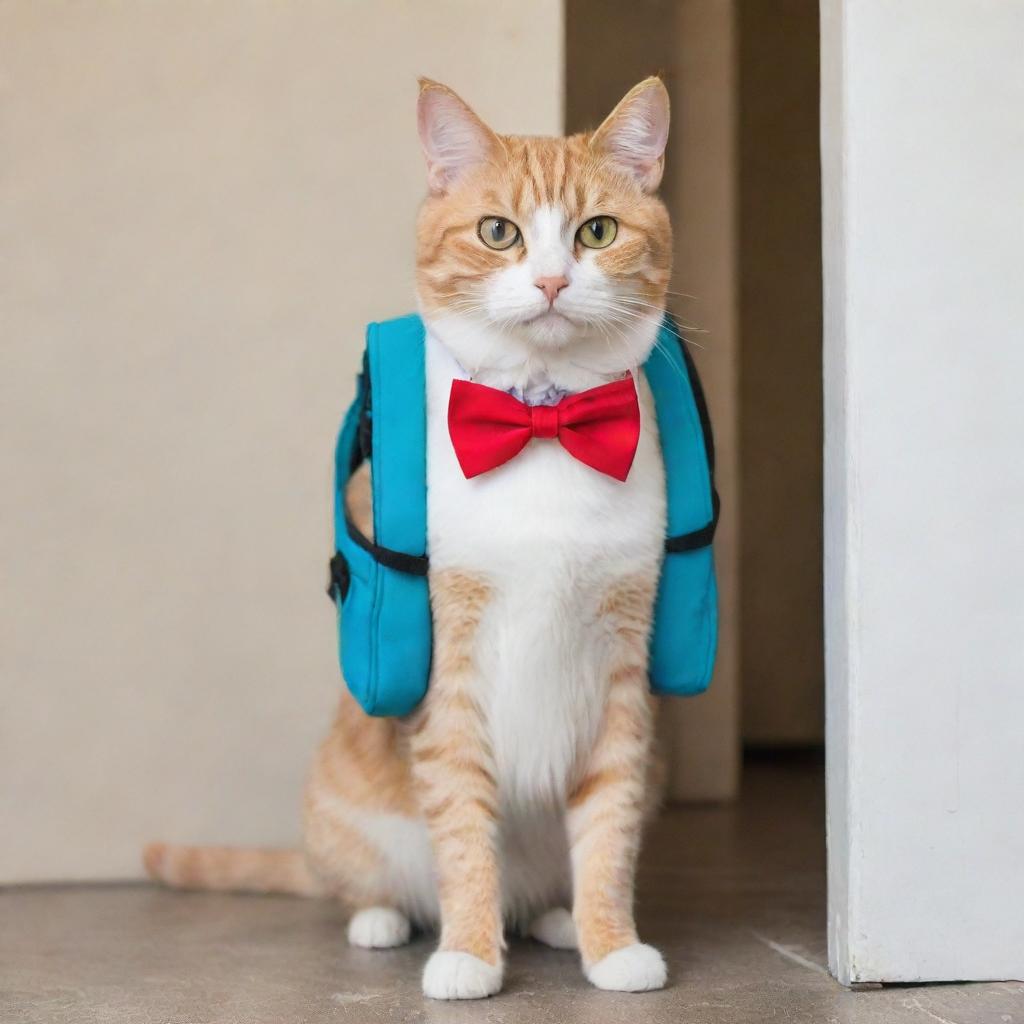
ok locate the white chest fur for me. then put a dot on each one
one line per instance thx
(551, 536)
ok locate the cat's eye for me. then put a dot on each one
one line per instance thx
(598, 232)
(497, 233)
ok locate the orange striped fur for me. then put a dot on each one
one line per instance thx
(606, 807)
(454, 774)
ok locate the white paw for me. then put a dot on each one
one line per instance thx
(555, 928)
(636, 968)
(378, 928)
(452, 975)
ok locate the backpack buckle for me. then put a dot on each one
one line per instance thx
(338, 578)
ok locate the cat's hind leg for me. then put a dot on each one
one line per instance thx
(363, 839)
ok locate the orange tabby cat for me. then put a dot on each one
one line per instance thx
(518, 788)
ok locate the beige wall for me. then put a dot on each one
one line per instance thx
(201, 204)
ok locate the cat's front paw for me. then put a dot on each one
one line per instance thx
(453, 975)
(636, 968)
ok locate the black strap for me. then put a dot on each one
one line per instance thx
(364, 432)
(414, 565)
(703, 537)
(696, 539)
(340, 576)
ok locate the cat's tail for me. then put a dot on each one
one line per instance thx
(231, 869)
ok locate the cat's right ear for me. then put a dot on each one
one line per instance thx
(453, 138)
(635, 133)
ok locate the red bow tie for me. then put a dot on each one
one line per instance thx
(600, 427)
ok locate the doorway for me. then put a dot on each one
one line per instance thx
(743, 186)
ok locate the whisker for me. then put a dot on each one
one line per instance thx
(643, 304)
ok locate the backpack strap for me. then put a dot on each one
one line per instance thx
(697, 539)
(379, 582)
(393, 354)
(678, 392)
(704, 535)
(685, 630)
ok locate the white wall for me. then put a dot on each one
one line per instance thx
(923, 159)
(201, 204)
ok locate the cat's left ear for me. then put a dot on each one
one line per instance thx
(635, 133)
(453, 138)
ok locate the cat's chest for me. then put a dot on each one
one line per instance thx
(550, 538)
(543, 510)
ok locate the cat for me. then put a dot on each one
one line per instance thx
(518, 789)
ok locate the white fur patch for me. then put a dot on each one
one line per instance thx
(379, 928)
(534, 856)
(534, 860)
(452, 975)
(511, 293)
(405, 846)
(636, 968)
(555, 928)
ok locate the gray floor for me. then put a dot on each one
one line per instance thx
(733, 896)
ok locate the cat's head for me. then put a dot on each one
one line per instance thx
(538, 254)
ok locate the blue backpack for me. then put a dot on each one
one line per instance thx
(380, 586)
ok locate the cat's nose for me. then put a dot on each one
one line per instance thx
(551, 286)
